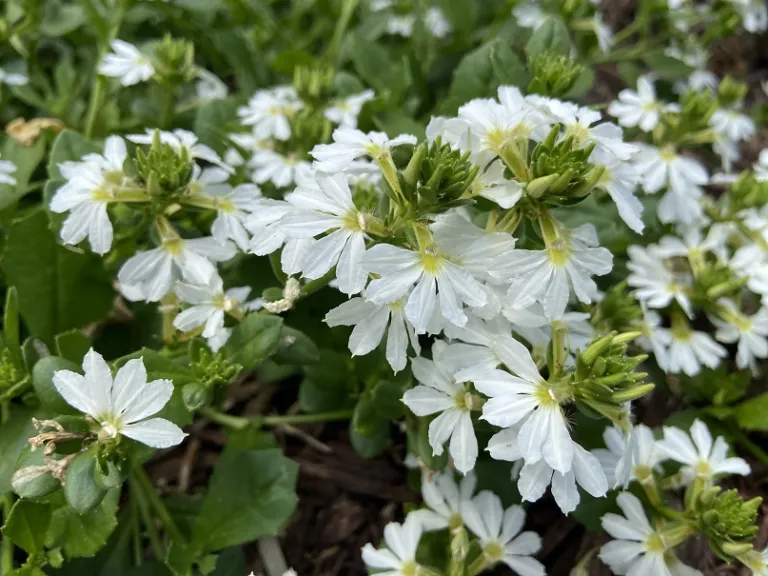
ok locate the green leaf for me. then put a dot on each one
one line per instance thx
(211, 122)
(394, 124)
(69, 146)
(254, 340)
(315, 399)
(81, 489)
(27, 571)
(31, 480)
(26, 159)
(42, 382)
(667, 67)
(507, 67)
(373, 64)
(82, 535)
(752, 414)
(296, 348)
(11, 325)
(373, 444)
(461, 13)
(72, 345)
(551, 36)
(27, 524)
(387, 398)
(14, 433)
(252, 494)
(61, 19)
(58, 288)
(474, 77)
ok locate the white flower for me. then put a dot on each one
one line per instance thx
(152, 273)
(492, 184)
(271, 166)
(401, 24)
(209, 86)
(639, 108)
(603, 33)
(756, 561)
(499, 533)
(345, 111)
(754, 14)
(751, 333)
(91, 185)
(439, 392)
(545, 275)
(525, 397)
(6, 169)
(619, 180)
(697, 58)
(350, 144)
(529, 14)
(399, 558)
(657, 284)
(733, 124)
(269, 112)
(122, 406)
(687, 350)
(639, 456)
(435, 276)
(445, 500)
(436, 22)
(233, 205)
(325, 206)
(126, 63)
(580, 124)
(182, 140)
(534, 478)
(638, 549)
(682, 176)
(701, 458)
(210, 303)
(370, 322)
(12, 79)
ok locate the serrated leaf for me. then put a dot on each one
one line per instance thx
(251, 494)
(81, 535)
(42, 382)
(254, 340)
(26, 160)
(72, 345)
(14, 433)
(69, 146)
(552, 36)
(58, 288)
(751, 414)
(27, 524)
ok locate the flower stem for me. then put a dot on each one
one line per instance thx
(143, 507)
(241, 422)
(13, 391)
(145, 484)
(97, 95)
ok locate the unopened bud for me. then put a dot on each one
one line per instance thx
(633, 393)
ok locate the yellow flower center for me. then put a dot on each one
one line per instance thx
(703, 469)
(494, 551)
(410, 569)
(559, 252)
(174, 246)
(655, 543)
(224, 204)
(431, 260)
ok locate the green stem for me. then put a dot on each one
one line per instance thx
(167, 111)
(136, 532)
(97, 95)
(143, 506)
(12, 392)
(240, 422)
(347, 10)
(748, 445)
(143, 482)
(6, 560)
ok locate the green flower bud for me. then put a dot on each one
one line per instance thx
(445, 175)
(175, 61)
(314, 84)
(165, 172)
(212, 369)
(552, 74)
(727, 521)
(9, 373)
(55, 558)
(731, 92)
